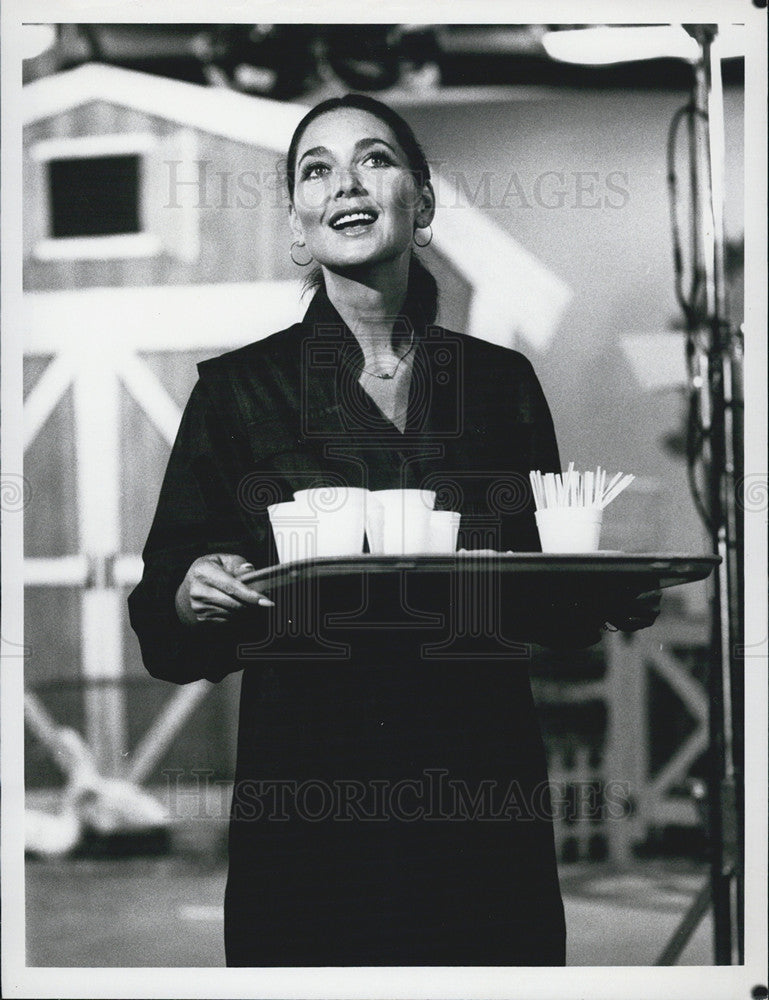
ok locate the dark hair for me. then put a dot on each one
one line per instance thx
(422, 284)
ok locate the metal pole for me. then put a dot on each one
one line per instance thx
(719, 404)
(730, 533)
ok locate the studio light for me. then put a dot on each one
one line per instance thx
(603, 45)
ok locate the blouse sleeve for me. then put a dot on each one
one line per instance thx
(198, 513)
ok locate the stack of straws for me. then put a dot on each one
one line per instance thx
(577, 489)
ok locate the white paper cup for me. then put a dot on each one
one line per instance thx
(340, 515)
(294, 530)
(406, 520)
(444, 529)
(327, 521)
(409, 501)
(332, 499)
(569, 529)
(374, 525)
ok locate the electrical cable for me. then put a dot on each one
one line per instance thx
(688, 303)
(697, 435)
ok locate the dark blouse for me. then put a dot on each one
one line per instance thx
(350, 726)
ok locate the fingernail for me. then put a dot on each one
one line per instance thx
(245, 566)
(265, 602)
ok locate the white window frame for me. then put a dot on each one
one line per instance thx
(146, 243)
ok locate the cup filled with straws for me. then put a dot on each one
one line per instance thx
(570, 505)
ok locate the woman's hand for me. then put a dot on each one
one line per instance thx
(637, 613)
(215, 589)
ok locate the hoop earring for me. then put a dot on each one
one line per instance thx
(427, 244)
(299, 263)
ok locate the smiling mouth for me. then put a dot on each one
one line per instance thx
(353, 221)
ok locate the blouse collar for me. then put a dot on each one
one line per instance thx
(325, 322)
(337, 361)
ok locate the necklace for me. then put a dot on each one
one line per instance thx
(390, 375)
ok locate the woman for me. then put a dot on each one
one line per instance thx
(390, 803)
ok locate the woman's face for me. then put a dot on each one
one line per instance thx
(355, 199)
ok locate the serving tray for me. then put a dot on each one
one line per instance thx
(628, 571)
